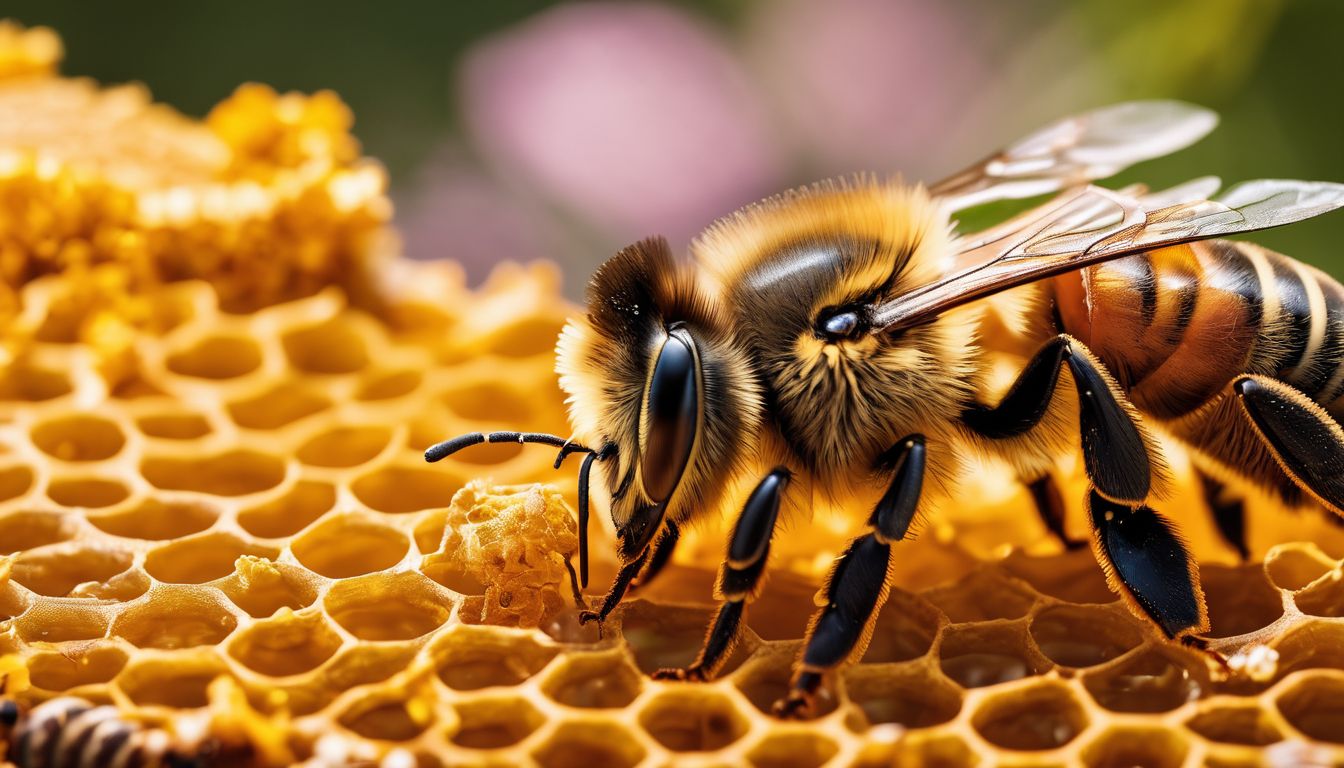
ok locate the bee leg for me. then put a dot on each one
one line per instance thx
(1303, 438)
(1115, 451)
(858, 583)
(661, 556)
(1229, 514)
(739, 577)
(1148, 565)
(1050, 506)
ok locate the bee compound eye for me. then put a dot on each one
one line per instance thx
(671, 410)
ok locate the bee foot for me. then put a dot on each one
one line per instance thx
(798, 706)
(587, 616)
(685, 674)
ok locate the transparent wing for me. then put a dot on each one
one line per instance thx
(1079, 149)
(1092, 225)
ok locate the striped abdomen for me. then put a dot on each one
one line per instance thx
(1176, 325)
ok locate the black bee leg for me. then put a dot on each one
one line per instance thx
(739, 577)
(1306, 441)
(1229, 514)
(1050, 506)
(617, 591)
(663, 548)
(857, 586)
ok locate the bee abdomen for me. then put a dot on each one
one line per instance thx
(69, 732)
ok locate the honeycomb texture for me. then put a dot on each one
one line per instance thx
(218, 524)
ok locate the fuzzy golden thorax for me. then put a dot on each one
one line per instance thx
(606, 358)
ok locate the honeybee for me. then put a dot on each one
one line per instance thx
(825, 345)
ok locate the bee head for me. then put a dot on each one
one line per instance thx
(653, 371)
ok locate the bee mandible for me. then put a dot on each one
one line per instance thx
(823, 347)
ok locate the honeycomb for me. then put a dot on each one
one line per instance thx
(218, 538)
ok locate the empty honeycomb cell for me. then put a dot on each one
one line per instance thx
(176, 617)
(290, 513)
(1314, 705)
(1073, 577)
(397, 490)
(156, 520)
(217, 357)
(1310, 645)
(31, 529)
(261, 587)
(470, 658)
(905, 629)
(592, 680)
(493, 722)
(22, 381)
(793, 749)
(589, 743)
(57, 623)
(178, 680)
(1125, 747)
(58, 572)
(1084, 635)
(764, 679)
(388, 385)
(397, 606)
(493, 402)
(1324, 597)
(981, 596)
(976, 655)
(15, 481)
(79, 437)
(278, 407)
(1235, 724)
(905, 694)
(347, 446)
(198, 559)
(286, 644)
(693, 719)
(89, 492)
(1293, 567)
(1240, 599)
(174, 426)
(387, 718)
(663, 636)
(349, 545)
(332, 346)
(1041, 716)
(927, 751)
(364, 664)
(75, 667)
(233, 473)
(1150, 680)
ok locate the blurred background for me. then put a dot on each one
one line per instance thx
(525, 129)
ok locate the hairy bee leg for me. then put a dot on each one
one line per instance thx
(858, 583)
(1229, 514)
(1050, 506)
(1148, 565)
(739, 577)
(663, 549)
(1115, 452)
(1303, 438)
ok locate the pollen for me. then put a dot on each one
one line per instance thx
(217, 532)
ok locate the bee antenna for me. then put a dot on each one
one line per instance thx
(447, 448)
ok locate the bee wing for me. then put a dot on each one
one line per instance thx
(1092, 225)
(1078, 149)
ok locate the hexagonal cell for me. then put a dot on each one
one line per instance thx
(765, 677)
(693, 719)
(976, 655)
(470, 658)
(178, 680)
(1125, 747)
(1324, 598)
(495, 722)
(217, 357)
(290, 513)
(983, 595)
(905, 694)
(388, 606)
(1043, 715)
(661, 636)
(64, 571)
(1310, 645)
(934, 750)
(156, 520)
(387, 718)
(286, 644)
(79, 437)
(1083, 635)
(366, 663)
(232, 473)
(277, 407)
(398, 490)
(331, 346)
(48, 622)
(176, 617)
(1152, 680)
(174, 426)
(387, 385)
(15, 481)
(589, 743)
(87, 492)
(1235, 724)
(793, 749)
(1314, 705)
(488, 401)
(593, 680)
(73, 668)
(1240, 599)
(1294, 566)
(25, 530)
(905, 629)
(344, 446)
(261, 587)
(203, 558)
(350, 545)
(23, 381)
